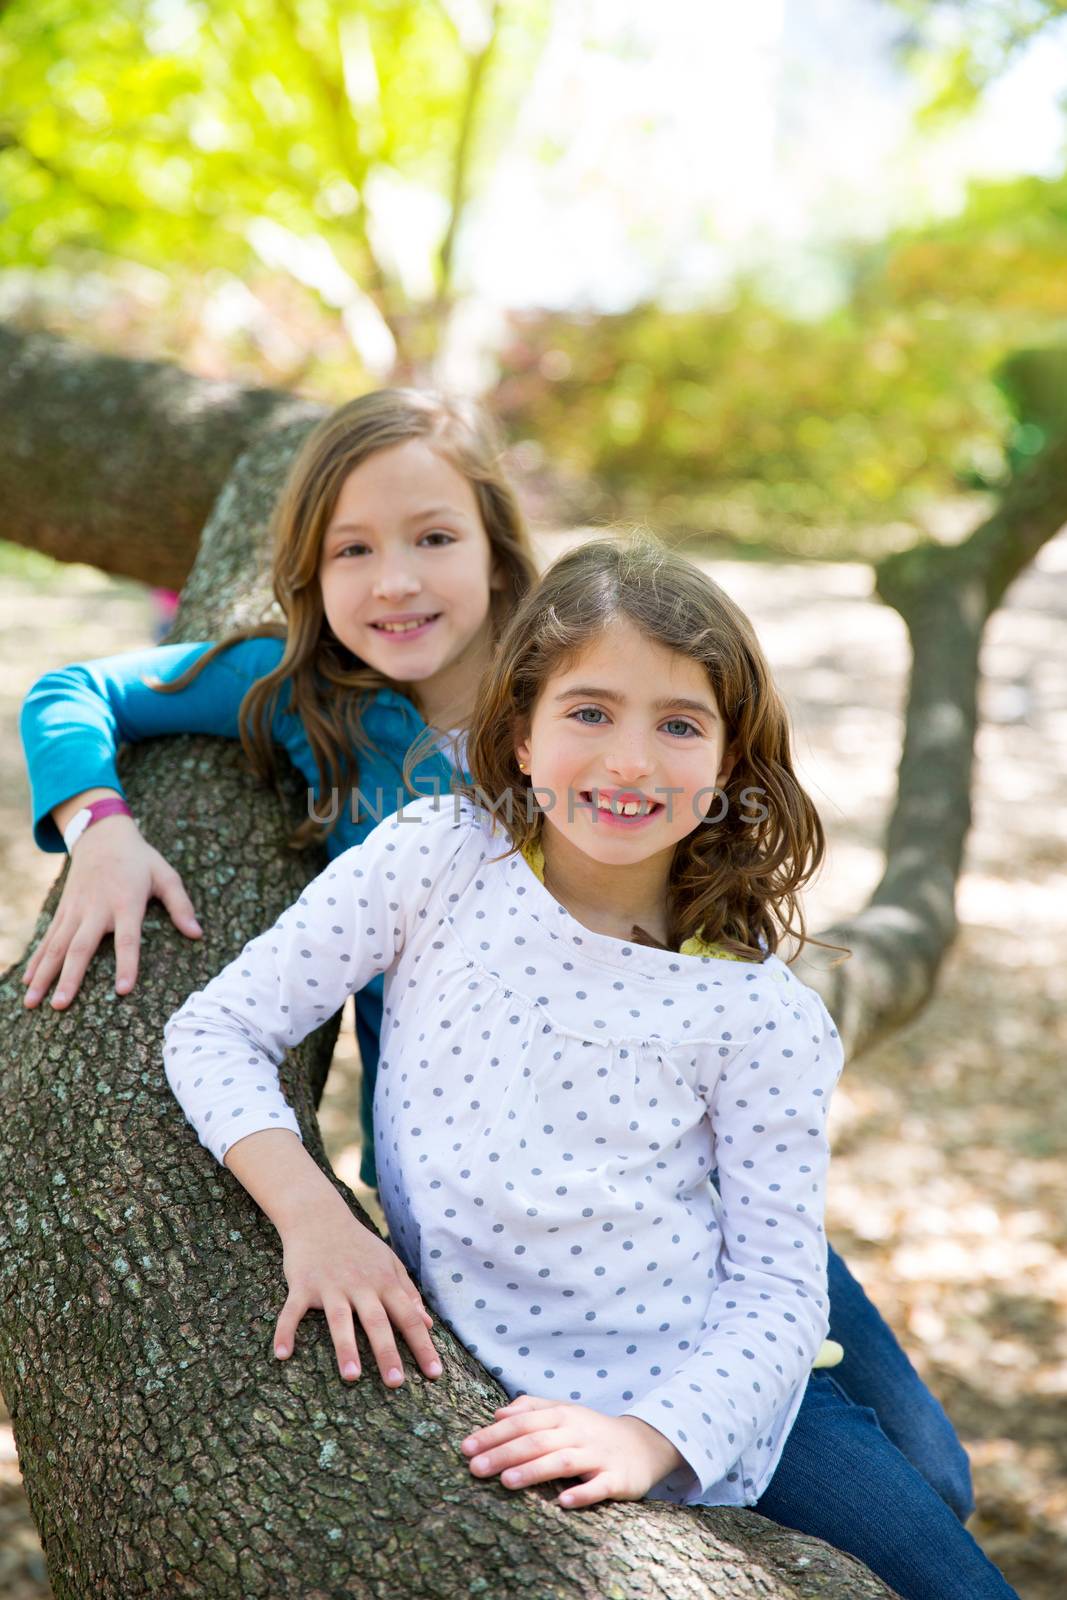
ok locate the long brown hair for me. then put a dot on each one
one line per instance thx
(735, 880)
(325, 685)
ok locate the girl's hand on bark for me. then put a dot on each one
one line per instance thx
(114, 872)
(334, 1264)
(534, 1440)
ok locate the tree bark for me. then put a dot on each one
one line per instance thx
(115, 462)
(164, 1450)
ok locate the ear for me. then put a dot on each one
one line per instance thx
(729, 761)
(522, 746)
(498, 578)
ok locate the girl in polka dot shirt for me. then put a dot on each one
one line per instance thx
(585, 1018)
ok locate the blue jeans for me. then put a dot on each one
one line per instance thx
(877, 1373)
(872, 1465)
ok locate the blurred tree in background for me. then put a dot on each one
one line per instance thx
(247, 150)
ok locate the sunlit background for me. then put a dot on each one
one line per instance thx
(749, 269)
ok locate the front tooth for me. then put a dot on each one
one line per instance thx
(625, 808)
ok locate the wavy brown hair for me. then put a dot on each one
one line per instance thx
(736, 881)
(324, 684)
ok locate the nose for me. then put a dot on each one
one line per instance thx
(630, 757)
(394, 579)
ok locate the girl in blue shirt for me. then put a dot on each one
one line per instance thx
(399, 554)
(399, 551)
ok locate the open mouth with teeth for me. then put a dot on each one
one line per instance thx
(399, 629)
(630, 809)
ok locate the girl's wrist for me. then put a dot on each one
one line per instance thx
(307, 1209)
(282, 1179)
(96, 811)
(67, 810)
(663, 1457)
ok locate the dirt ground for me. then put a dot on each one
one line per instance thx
(949, 1185)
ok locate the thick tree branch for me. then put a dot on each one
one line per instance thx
(118, 462)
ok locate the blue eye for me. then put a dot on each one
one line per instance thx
(581, 711)
(680, 722)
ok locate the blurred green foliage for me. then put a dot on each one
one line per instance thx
(229, 135)
(959, 47)
(821, 437)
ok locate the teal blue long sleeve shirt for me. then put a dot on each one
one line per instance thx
(74, 720)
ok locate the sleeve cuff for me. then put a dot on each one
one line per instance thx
(704, 1466)
(227, 1130)
(45, 832)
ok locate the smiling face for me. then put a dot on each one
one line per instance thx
(628, 726)
(406, 572)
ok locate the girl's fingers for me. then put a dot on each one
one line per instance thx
(379, 1331)
(80, 952)
(127, 948)
(525, 1447)
(288, 1322)
(565, 1463)
(509, 1424)
(590, 1493)
(508, 1428)
(343, 1333)
(38, 955)
(44, 964)
(171, 890)
(524, 1402)
(407, 1314)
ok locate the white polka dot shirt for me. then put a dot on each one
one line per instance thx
(549, 1106)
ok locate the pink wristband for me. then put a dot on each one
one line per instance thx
(112, 806)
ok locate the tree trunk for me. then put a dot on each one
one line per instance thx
(164, 1450)
(946, 596)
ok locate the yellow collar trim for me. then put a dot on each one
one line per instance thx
(534, 857)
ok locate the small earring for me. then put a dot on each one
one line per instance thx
(523, 767)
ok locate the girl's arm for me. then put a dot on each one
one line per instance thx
(72, 724)
(224, 1047)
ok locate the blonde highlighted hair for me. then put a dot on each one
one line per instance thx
(735, 881)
